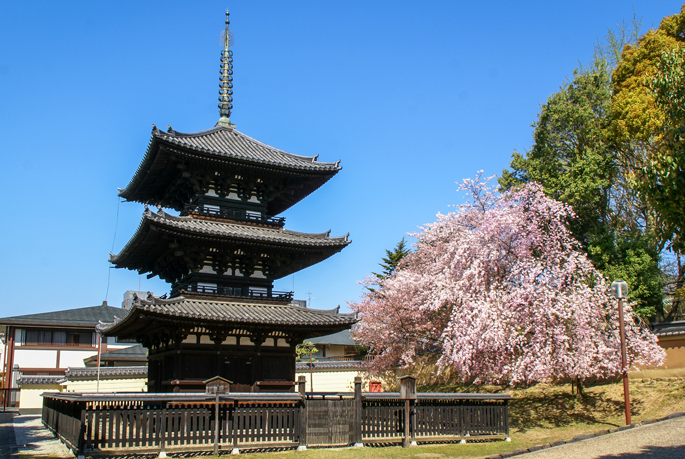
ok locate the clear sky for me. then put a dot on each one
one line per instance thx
(410, 96)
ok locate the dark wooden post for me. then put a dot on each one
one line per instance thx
(216, 386)
(81, 440)
(301, 385)
(302, 426)
(408, 394)
(506, 419)
(358, 443)
(161, 431)
(413, 423)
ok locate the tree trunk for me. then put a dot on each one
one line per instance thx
(579, 385)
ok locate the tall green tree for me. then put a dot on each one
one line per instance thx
(391, 261)
(646, 124)
(574, 158)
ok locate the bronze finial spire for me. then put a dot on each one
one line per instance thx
(226, 80)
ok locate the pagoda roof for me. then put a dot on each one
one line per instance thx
(221, 147)
(226, 314)
(144, 248)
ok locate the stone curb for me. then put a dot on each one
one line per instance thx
(518, 452)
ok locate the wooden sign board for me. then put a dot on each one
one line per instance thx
(217, 385)
(407, 388)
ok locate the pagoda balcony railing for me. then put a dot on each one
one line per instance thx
(230, 291)
(232, 214)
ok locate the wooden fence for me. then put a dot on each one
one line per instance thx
(108, 424)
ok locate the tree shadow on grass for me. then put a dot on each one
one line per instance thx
(560, 409)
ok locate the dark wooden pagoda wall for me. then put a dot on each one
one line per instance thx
(182, 367)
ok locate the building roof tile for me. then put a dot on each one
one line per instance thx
(40, 380)
(244, 231)
(201, 228)
(92, 372)
(78, 317)
(231, 313)
(228, 150)
(342, 338)
(229, 142)
(676, 328)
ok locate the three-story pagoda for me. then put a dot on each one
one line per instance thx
(221, 255)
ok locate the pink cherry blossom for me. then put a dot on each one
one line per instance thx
(502, 293)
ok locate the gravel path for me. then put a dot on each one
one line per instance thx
(662, 440)
(34, 440)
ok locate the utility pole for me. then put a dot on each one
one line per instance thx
(619, 289)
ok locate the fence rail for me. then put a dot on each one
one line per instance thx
(9, 398)
(102, 424)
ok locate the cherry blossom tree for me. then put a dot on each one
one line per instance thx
(504, 294)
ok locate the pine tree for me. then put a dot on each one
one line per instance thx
(391, 261)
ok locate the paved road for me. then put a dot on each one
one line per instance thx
(662, 440)
(8, 443)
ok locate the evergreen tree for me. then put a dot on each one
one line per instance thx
(575, 158)
(391, 261)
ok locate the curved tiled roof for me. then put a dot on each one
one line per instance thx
(669, 328)
(79, 317)
(242, 231)
(40, 380)
(231, 143)
(225, 231)
(228, 150)
(331, 365)
(230, 312)
(91, 372)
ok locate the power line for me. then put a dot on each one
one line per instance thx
(116, 227)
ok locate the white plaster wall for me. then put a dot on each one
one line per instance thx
(332, 381)
(109, 385)
(29, 397)
(36, 358)
(334, 351)
(74, 358)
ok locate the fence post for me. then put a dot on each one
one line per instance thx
(162, 426)
(358, 443)
(81, 442)
(301, 383)
(216, 424)
(408, 394)
(413, 423)
(302, 426)
(506, 419)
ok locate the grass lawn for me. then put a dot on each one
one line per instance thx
(540, 414)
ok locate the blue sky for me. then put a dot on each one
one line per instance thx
(410, 96)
